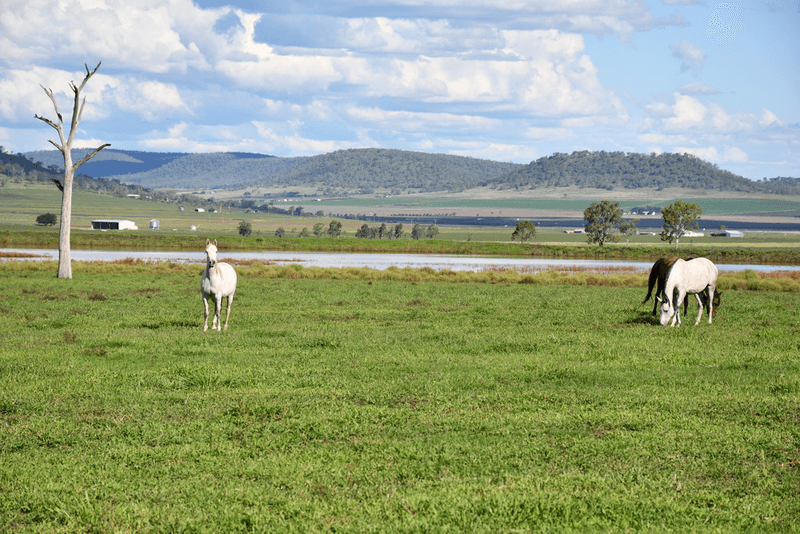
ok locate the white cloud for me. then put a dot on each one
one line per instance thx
(415, 121)
(22, 96)
(690, 56)
(698, 89)
(727, 155)
(294, 144)
(144, 34)
(150, 100)
(768, 118)
(534, 132)
(688, 114)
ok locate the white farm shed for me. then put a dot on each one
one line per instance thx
(113, 224)
(728, 233)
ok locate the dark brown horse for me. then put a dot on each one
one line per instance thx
(658, 279)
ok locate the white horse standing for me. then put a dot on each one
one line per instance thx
(691, 276)
(219, 281)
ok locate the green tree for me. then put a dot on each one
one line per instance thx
(245, 229)
(304, 232)
(679, 218)
(47, 219)
(280, 232)
(416, 231)
(318, 230)
(601, 218)
(431, 231)
(363, 232)
(524, 231)
(398, 230)
(335, 229)
(628, 228)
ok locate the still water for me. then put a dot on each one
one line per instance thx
(378, 261)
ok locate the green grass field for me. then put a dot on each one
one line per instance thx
(357, 403)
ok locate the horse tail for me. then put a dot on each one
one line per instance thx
(651, 282)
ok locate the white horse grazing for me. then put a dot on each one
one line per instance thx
(691, 276)
(219, 281)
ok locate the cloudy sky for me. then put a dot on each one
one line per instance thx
(507, 80)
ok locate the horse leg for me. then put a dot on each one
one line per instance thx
(228, 313)
(710, 303)
(700, 310)
(677, 308)
(205, 314)
(217, 319)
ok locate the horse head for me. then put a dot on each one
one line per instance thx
(211, 253)
(667, 311)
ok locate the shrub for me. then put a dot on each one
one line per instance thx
(46, 219)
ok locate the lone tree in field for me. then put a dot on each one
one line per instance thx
(47, 219)
(65, 146)
(524, 231)
(245, 229)
(679, 218)
(601, 218)
(628, 228)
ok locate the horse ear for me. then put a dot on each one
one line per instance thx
(215, 242)
(208, 242)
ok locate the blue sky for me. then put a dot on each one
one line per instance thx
(507, 80)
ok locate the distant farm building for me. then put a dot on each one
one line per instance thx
(693, 234)
(728, 233)
(113, 224)
(199, 210)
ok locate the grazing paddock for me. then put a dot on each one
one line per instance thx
(379, 405)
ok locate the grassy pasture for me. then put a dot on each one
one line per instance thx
(352, 401)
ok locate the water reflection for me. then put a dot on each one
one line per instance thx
(378, 261)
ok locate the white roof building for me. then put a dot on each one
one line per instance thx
(728, 233)
(113, 224)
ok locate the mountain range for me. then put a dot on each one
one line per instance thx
(396, 171)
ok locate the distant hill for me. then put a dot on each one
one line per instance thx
(397, 171)
(369, 169)
(620, 170)
(173, 170)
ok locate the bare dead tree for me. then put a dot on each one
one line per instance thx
(65, 146)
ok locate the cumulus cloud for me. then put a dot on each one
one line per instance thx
(691, 57)
(689, 113)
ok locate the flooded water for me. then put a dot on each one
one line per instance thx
(377, 261)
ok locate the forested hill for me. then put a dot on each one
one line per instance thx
(620, 170)
(369, 169)
(339, 172)
(397, 171)
(173, 170)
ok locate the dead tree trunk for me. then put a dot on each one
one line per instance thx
(65, 146)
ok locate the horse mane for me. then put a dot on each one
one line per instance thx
(669, 271)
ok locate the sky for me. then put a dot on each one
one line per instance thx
(505, 80)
